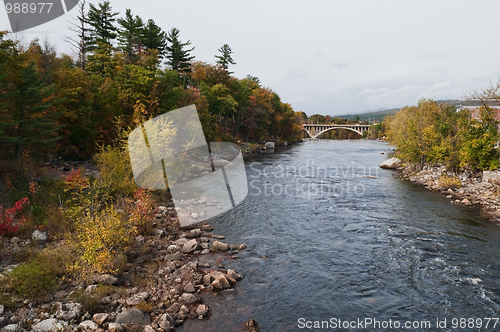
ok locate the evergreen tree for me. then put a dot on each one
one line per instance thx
(102, 29)
(34, 125)
(81, 29)
(178, 57)
(154, 38)
(225, 58)
(130, 38)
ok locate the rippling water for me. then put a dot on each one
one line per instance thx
(326, 242)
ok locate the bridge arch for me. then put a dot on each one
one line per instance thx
(316, 130)
(333, 128)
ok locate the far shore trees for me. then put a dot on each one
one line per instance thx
(439, 134)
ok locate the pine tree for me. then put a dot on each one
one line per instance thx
(225, 58)
(178, 57)
(130, 38)
(102, 29)
(33, 125)
(81, 29)
(154, 38)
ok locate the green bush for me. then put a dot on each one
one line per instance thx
(88, 302)
(38, 275)
(31, 280)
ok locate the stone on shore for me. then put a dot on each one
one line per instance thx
(190, 246)
(115, 327)
(219, 246)
(39, 236)
(234, 275)
(202, 310)
(49, 325)
(270, 145)
(100, 318)
(252, 326)
(491, 177)
(106, 279)
(88, 325)
(392, 163)
(133, 316)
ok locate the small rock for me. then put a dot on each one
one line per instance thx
(190, 246)
(39, 236)
(173, 248)
(75, 307)
(195, 233)
(66, 315)
(166, 322)
(221, 283)
(100, 318)
(173, 257)
(115, 327)
(189, 288)
(137, 298)
(202, 310)
(88, 325)
(148, 328)
(219, 237)
(206, 280)
(188, 299)
(220, 246)
(252, 326)
(49, 325)
(106, 279)
(234, 275)
(10, 328)
(2, 308)
(181, 241)
(14, 240)
(90, 289)
(242, 246)
(269, 145)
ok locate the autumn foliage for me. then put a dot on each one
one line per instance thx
(7, 221)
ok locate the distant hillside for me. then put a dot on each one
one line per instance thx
(383, 113)
(376, 116)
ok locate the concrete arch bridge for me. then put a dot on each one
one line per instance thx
(316, 130)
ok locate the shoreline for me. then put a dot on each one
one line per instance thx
(162, 285)
(478, 189)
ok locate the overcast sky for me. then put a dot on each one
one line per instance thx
(333, 57)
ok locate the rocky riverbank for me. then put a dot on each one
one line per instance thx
(161, 286)
(480, 188)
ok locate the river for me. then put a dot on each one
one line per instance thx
(327, 242)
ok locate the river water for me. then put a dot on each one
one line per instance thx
(328, 241)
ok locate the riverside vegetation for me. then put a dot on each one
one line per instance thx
(450, 151)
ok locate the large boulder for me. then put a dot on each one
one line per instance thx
(392, 163)
(133, 316)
